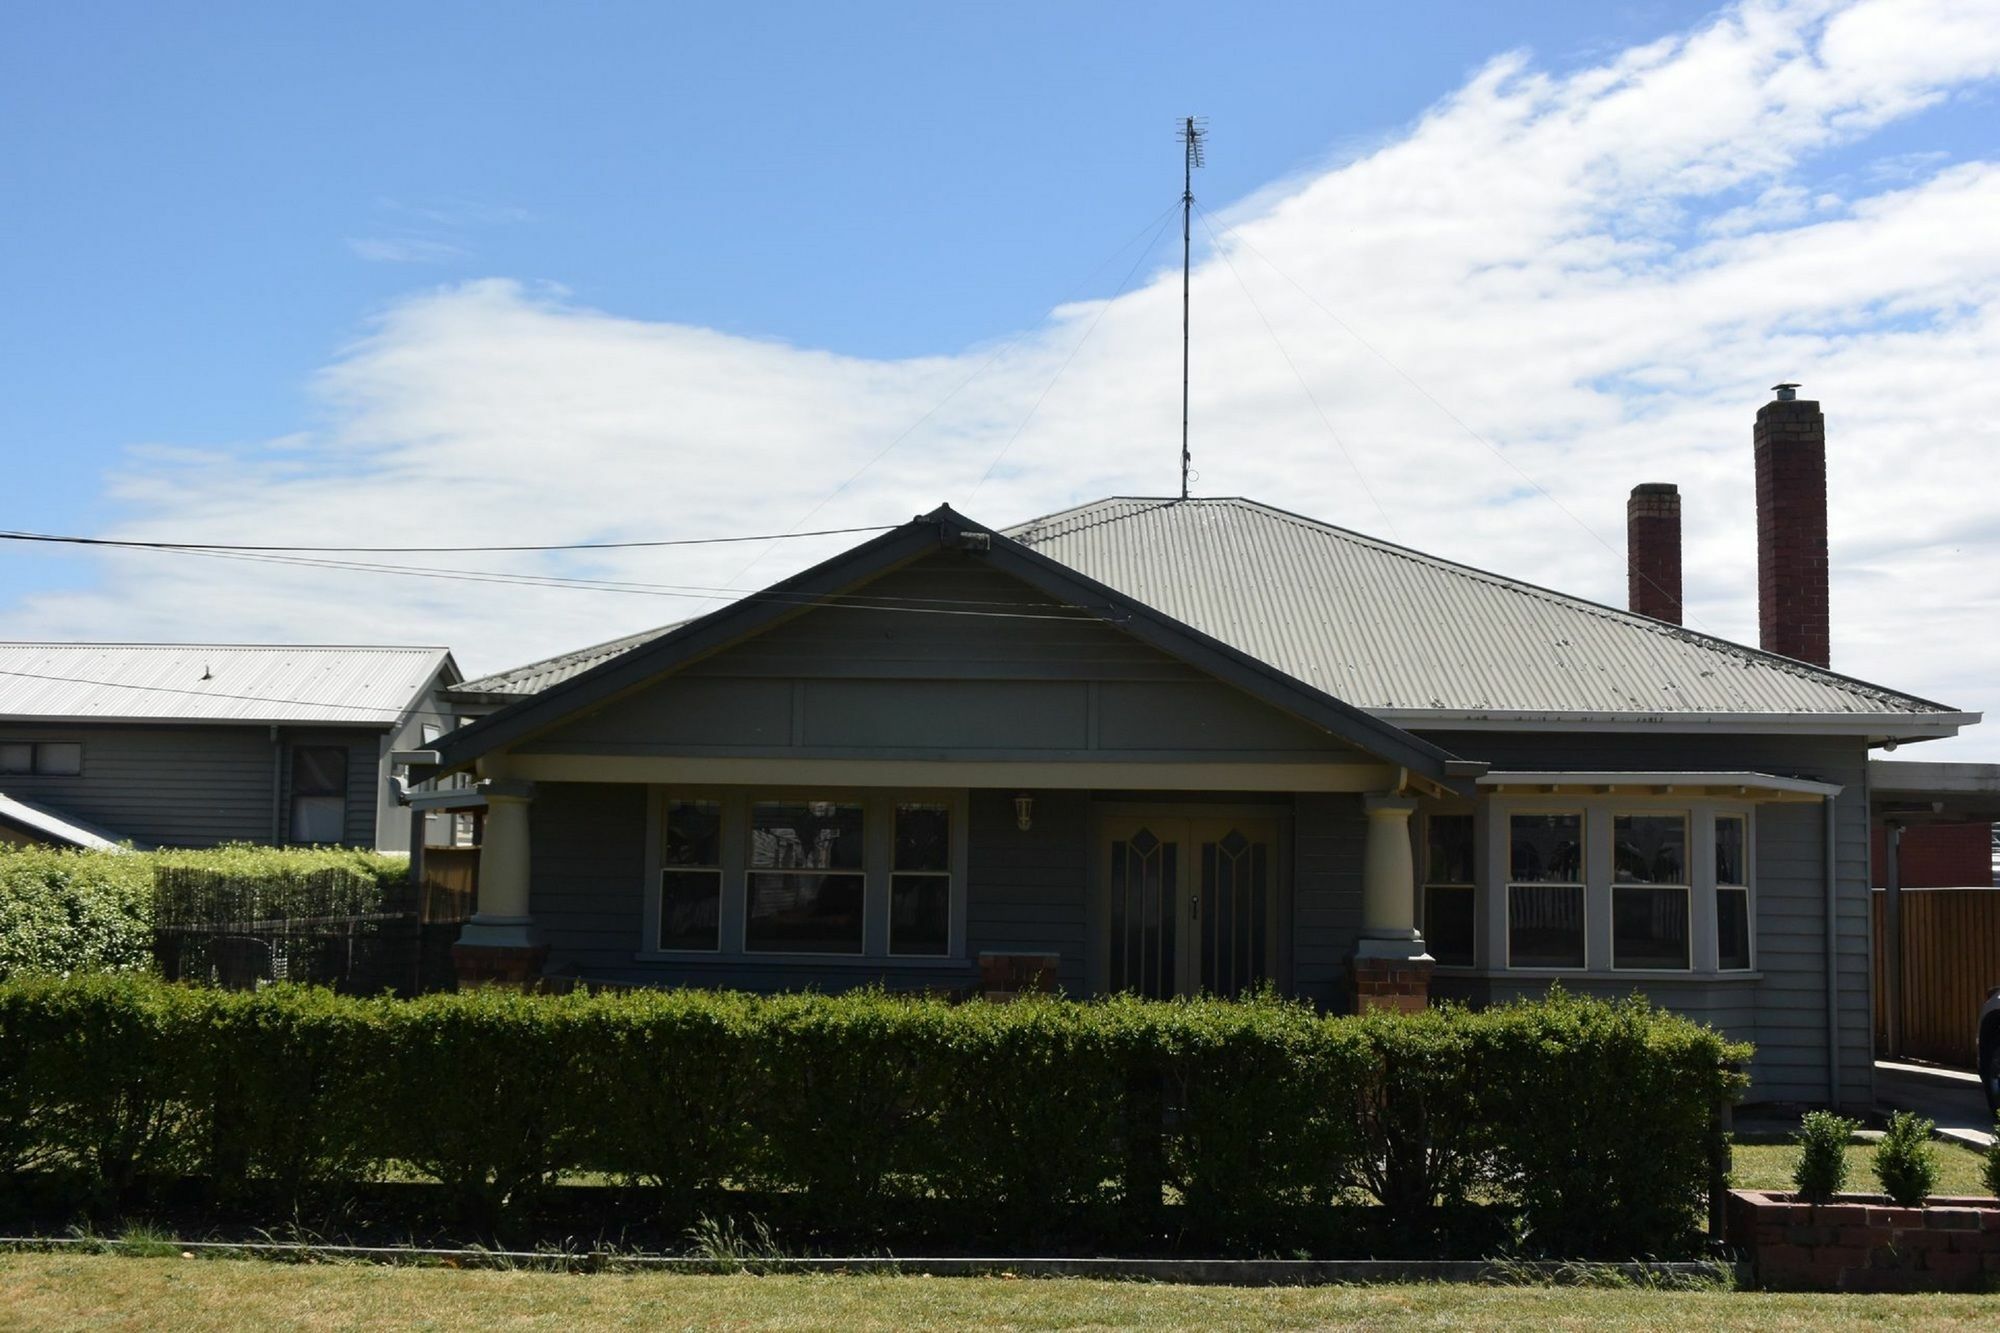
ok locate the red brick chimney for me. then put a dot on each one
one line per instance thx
(1653, 550)
(1790, 445)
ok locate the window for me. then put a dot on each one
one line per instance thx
(691, 877)
(1649, 892)
(319, 793)
(1732, 893)
(63, 759)
(920, 882)
(807, 890)
(1449, 874)
(1545, 895)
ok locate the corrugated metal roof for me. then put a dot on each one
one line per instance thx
(53, 824)
(1393, 630)
(535, 677)
(213, 682)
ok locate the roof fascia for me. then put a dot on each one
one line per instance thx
(1879, 726)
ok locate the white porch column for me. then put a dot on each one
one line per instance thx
(1389, 881)
(502, 920)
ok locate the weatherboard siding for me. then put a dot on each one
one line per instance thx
(997, 671)
(190, 786)
(1784, 1011)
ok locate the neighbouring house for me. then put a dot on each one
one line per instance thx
(1179, 745)
(190, 745)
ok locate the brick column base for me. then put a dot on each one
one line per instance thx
(1004, 976)
(1399, 984)
(491, 965)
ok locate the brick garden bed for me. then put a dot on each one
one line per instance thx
(1861, 1242)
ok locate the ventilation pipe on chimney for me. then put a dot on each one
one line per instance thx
(1790, 446)
(1653, 551)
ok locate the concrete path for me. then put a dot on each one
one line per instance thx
(1950, 1097)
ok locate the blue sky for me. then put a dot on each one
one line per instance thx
(298, 272)
(195, 190)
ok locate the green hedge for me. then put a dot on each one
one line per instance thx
(1250, 1127)
(65, 911)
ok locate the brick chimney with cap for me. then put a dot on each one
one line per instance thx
(1653, 550)
(1790, 446)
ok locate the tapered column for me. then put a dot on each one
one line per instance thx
(500, 944)
(1390, 968)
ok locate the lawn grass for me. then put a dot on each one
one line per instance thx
(67, 1291)
(1768, 1166)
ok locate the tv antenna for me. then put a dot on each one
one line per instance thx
(1194, 129)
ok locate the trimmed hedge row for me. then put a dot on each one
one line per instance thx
(67, 911)
(1588, 1123)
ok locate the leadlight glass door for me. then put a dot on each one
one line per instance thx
(1193, 905)
(1234, 897)
(1146, 883)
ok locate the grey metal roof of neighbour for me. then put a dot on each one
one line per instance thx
(213, 682)
(535, 677)
(1404, 634)
(47, 823)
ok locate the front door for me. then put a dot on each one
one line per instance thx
(1193, 904)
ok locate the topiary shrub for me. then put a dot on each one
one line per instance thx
(1821, 1171)
(1906, 1160)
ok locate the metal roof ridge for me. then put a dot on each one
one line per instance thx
(1728, 647)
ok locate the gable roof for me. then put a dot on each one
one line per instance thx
(534, 677)
(940, 529)
(215, 682)
(1418, 639)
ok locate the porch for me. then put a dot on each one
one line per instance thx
(957, 890)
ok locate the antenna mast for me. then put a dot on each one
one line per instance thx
(1192, 134)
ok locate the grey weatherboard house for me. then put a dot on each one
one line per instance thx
(1179, 745)
(191, 745)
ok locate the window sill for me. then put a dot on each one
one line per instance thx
(854, 960)
(1602, 975)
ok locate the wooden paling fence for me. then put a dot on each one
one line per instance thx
(1951, 959)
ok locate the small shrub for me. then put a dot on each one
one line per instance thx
(1906, 1160)
(1821, 1172)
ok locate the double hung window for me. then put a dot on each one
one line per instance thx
(1650, 891)
(1732, 893)
(1545, 890)
(1450, 919)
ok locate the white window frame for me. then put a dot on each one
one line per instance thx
(1599, 876)
(1748, 889)
(877, 865)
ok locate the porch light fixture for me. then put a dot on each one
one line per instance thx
(1024, 812)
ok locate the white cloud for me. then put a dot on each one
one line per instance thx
(404, 249)
(1531, 251)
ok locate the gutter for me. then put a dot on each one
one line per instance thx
(1880, 726)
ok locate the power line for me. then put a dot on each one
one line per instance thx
(1299, 375)
(135, 544)
(856, 601)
